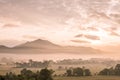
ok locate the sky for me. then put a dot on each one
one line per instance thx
(91, 23)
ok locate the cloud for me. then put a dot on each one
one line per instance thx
(115, 34)
(58, 20)
(80, 41)
(79, 35)
(10, 43)
(92, 37)
(6, 22)
(111, 29)
(29, 37)
(10, 25)
(88, 28)
(92, 29)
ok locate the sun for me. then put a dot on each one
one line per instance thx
(101, 34)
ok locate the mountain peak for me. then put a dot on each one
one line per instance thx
(2, 46)
(45, 46)
(42, 41)
(39, 43)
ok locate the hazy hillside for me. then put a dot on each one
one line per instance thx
(44, 46)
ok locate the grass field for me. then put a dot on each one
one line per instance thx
(89, 78)
(5, 69)
(94, 68)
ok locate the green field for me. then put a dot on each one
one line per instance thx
(89, 78)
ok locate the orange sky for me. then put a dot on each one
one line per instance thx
(93, 23)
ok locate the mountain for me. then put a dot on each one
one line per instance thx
(38, 44)
(44, 46)
(3, 47)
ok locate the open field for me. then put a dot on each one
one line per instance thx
(6, 69)
(89, 78)
(95, 69)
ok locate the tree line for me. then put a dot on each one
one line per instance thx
(47, 74)
(111, 71)
(44, 74)
(32, 64)
(78, 72)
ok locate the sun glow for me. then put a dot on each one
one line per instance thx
(64, 21)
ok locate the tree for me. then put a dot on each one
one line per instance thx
(112, 71)
(10, 76)
(117, 69)
(2, 78)
(46, 74)
(104, 72)
(46, 64)
(78, 71)
(87, 72)
(27, 74)
(30, 63)
(69, 72)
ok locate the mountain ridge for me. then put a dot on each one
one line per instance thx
(45, 46)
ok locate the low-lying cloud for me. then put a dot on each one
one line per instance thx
(80, 41)
(10, 26)
(92, 37)
(89, 28)
(110, 29)
(114, 34)
(29, 37)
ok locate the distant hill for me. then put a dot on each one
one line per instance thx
(45, 46)
(38, 44)
(3, 47)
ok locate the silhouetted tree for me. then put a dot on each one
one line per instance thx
(46, 74)
(78, 71)
(117, 69)
(104, 72)
(10, 76)
(1, 78)
(112, 71)
(25, 74)
(69, 72)
(87, 72)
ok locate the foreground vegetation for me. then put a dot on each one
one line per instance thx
(89, 78)
(78, 73)
(25, 74)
